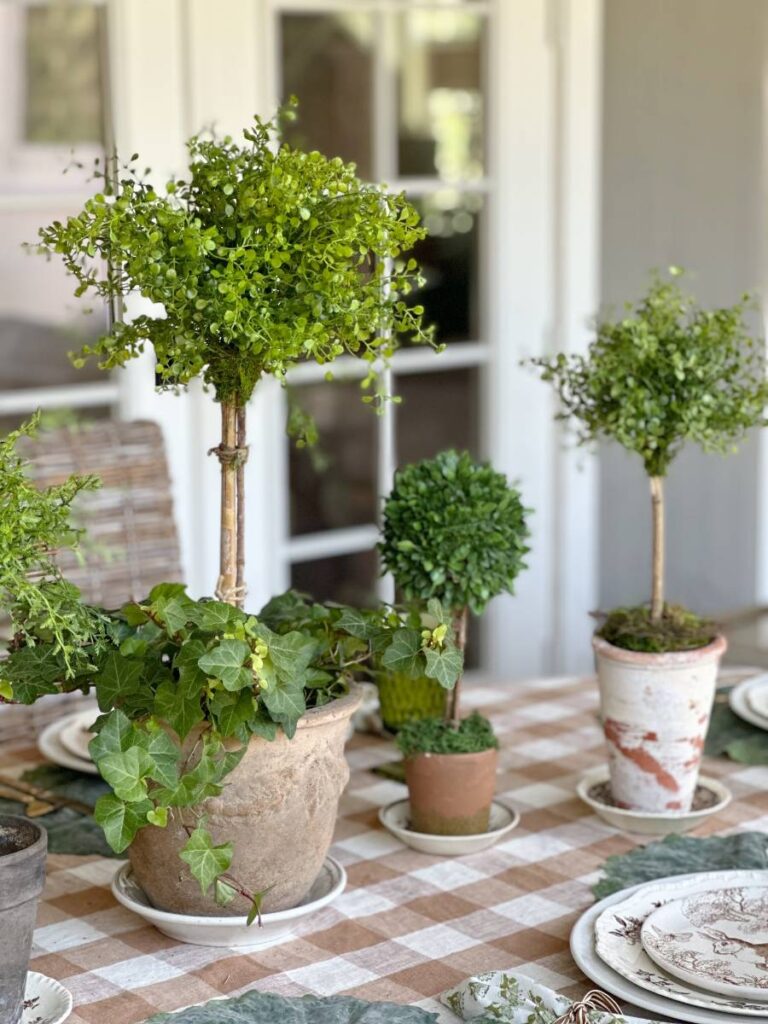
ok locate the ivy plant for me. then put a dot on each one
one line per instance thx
(259, 257)
(170, 668)
(666, 373)
(454, 531)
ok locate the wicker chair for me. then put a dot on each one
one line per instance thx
(130, 541)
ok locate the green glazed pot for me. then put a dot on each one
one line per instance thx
(404, 699)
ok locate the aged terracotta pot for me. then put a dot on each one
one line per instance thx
(655, 710)
(278, 808)
(23, 846)
(451, 794)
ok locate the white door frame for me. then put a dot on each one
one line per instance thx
(542, 286)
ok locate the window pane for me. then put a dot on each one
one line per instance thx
(333, 483)
(327, 64)
(348, 579)
(63, 75)
(439, 410)
(440, 94)
(449, 257)
(40, 320)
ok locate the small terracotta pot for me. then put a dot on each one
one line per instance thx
(451, 794)
(655, 710)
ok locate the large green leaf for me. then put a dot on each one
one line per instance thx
(120, 680)
(206, 861)
(178, 703)
(232, 712)
(34, 672)
(163, 753)
(226, 661)
(126, 771)
(403, 653)
(285, 702)
(114, 733)
(120, 821)
(216, 616)
(444, 665)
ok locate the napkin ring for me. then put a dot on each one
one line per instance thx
(578, 1013)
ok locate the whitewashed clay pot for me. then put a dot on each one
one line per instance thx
(655, 710)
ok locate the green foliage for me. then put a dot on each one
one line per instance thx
(35, 522)
(454, 530)
(262, 256)
(437, 736)
(677, 630)
(666, 373)
(184, 684)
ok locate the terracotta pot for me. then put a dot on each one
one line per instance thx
(23, 848)
(278, 808)
(451, 794)
(404, 699)
(655, 711)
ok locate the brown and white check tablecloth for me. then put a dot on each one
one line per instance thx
(408, 925)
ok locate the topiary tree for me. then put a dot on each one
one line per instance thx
(261, 257)
(666, 373)
(454, 531)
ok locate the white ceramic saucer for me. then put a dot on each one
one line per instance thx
(231, 931)
(51, 747)
(747, 697)
(650, 823)
(396, 819)
(45, 1000)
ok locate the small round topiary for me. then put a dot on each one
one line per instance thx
(454, 529)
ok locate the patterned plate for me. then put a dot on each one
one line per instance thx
(45, 1000)
(714, 940)
(618, 938)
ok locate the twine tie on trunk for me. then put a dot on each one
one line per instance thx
(230, 456)
(578, 1013)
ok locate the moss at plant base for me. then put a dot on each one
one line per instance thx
(436, 736)
(677, 630)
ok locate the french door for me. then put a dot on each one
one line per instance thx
(485, 113)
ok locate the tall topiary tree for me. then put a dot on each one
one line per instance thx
(666, 373)
(261, 257)
(454, 531)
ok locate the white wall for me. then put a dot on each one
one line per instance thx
(682, 175)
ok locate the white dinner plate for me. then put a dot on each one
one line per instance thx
(716, 940)
(53, 749)
(586, 958)
(75, 733)
(740, 698)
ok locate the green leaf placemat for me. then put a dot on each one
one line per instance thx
(264, 1008)
(730, 736)
(683, 855)
(67, 783)
(68, 830)
(394, 770)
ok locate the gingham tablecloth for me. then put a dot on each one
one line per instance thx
(408, 925)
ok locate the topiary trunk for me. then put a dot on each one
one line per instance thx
(657, 576)
(232, 454)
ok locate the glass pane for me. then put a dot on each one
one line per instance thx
(327, 64)
(439, 410)
(63, 75)
(348, 579)
(40, 320)
(440, 74)
(333, 483)
(449, 258)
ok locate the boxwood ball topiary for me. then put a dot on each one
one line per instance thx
(454, 529)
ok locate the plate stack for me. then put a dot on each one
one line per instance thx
(65, 741)
(692, 947)
(749, 700)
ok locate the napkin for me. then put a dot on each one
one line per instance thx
(508, 997)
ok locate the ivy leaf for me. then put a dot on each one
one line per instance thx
(114, 734)
(216, 616)
(126, 772)
(34, 672)
(178, 703)
(166, 591)
(175, 612)
(223, 892)
(444, 665)
(290, 653)
(120, 821)
(163, 753)
(119, 680)
(158, 816)
(232, 711)
(358, 624)
(206, 861)
(403, 654)
(134, 614)
(225, 661)
(285, 702)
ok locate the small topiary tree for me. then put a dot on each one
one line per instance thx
(666, 373)
(454, 531)
(262, 257)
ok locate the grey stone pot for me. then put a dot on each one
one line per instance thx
(23, 846)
